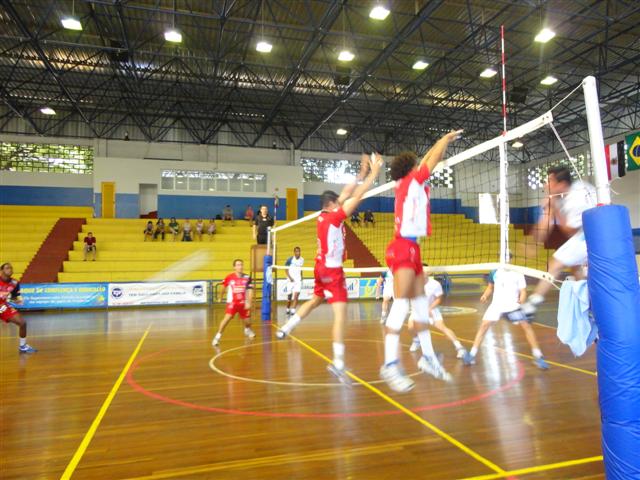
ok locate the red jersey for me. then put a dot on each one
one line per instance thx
(237, 286)
(331, 238)
(9, 290)
(412, 204)
(90, 241)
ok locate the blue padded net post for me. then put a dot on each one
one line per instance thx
(267, 283)
(615, 297)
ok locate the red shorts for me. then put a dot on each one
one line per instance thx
(7, 312)
(404, 253)
(239, 308)
(330, 283)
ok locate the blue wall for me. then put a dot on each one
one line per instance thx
(186, 206)
(59, 196)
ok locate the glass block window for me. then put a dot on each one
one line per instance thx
(441, 179)
(194, 180)
(329, 171)
(537, 176)
(46, 157)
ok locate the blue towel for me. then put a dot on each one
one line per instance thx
(576, 326)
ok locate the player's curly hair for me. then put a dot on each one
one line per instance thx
(402, 164)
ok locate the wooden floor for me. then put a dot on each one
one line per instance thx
(267, 409)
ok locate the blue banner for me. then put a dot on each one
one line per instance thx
(63, 295)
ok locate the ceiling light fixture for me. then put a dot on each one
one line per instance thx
(71, 22)
(420, 65)
(488, 73)
(545, 35)
(548, 80)
(379, 13)
(264, 47)
(48, 111)
(346, 56)
(341, 131)
(517, 144)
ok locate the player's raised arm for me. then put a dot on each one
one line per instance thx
(348, 189)
(352, 203)
(436, 153)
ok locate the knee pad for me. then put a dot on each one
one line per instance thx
(398, 313)
(420, 307)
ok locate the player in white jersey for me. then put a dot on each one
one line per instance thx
(509, 291)
(565, 202)
(434, 293)
(294, 280)
(385, 287)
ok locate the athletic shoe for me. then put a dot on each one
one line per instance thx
(461, 352)
(469, 359)
(340, 374)
(280, 334)
(249, 333)
(541, 363)
(397, 380)
(383, 319)
(26, 348)
(415, 346)
(519, 315)
(432, 367)
(216, 340)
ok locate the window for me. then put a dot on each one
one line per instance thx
(32, 157)
(537, 176)
(194, 181)
(330, 171)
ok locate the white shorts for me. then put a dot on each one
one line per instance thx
(573, 252)
(387, 289)
(495, 311)
(436, 316)
(294, 287)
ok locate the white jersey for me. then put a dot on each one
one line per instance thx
(294, 265)
(433, 290)
(580, 197)
(506, 289)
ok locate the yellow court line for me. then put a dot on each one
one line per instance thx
(539, 468)
(405, 410)
(318, 455)
(103, 410)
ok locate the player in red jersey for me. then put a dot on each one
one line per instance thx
(10, 291)
(404, 259)
(239, 295)
(328, 274)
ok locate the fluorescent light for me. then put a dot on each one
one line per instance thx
(48, 111)
(488, 73)
(548, 80)
(517, 144)
(173, 35)
(378, 13)
(71, 23)
(545, 35)
(341, 131)
(264, 47)
(346, 56)
(420, 65)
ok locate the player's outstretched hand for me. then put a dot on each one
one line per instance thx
(365, 164)
(453, 135)
(376, 163)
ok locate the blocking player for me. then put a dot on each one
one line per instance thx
(239, 296)
(294, 280)
(329, 277)
(10, 291)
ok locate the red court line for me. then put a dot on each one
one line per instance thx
(464, 401)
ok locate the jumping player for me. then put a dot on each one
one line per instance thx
(433, 291)
(239, 296)
(509, 291)
(328, 274)
(294, 280)
(10, 291)
(565, 202)
(403, 258)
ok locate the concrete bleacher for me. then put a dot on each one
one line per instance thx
(24, 228)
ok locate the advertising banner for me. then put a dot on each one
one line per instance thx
(353, 289)
(63, 295)
(161, 293)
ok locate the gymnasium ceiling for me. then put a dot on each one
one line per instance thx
(119, 75)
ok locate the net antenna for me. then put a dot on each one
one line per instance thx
(504, 166)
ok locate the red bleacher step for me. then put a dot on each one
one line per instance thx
(49, 258)
(358, 251)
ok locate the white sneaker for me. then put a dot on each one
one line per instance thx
(216, 340)
(249, 333)
(397, 380)
(383, 319)
(415, 346)
(431, 366)
(461, 352)
(280, 334)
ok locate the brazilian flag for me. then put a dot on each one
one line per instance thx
(633, 151)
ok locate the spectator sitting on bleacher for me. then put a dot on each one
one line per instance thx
(211, 228)
(174, 228)
(368, 218)
(248, 214)
(90, 246)
(186, 231)
(355, 219)
(148, 231)
(199, 229)
(159, 229)
(227, 213)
